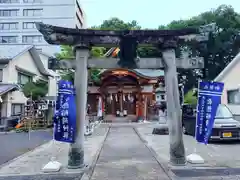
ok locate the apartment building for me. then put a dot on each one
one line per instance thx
(18, 17)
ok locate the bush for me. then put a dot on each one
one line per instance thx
(36, 89)
(190, 98)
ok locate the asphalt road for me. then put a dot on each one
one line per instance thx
(15, 144)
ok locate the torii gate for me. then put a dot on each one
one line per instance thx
(128, 40)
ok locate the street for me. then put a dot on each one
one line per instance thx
(15, 144)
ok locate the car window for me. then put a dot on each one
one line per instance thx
(223, 112)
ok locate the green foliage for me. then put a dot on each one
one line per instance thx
(36, 89)
(190, 98)
(117, 24)
(222, 46)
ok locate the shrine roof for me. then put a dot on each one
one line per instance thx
(145, 73)
(150, 73)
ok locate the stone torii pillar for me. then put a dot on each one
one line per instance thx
(76, 151)
(174, 117)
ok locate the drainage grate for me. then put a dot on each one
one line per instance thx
(206, 172)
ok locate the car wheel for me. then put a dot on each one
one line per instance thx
(184, 129)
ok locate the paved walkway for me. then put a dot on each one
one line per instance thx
(124, 156)
(31, 163)
(15, 144)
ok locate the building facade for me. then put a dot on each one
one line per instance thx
(230, 77)
(18, 17)
(19, 66)
(231, 93)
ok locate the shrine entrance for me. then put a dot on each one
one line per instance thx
(127, 93)
(120, 103)
(166, 41)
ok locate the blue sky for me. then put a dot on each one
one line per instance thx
(149, 13)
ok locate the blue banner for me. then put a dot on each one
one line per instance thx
(65, 115)
(209, 98)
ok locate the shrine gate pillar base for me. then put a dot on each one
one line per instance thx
(174, 119)
(76, 151)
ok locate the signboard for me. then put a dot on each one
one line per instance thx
(209, 97)
(65, 115)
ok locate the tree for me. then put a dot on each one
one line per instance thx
(117, 24)
(68, 53)
(36, 89)
(222, 46)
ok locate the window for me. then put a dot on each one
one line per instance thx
(233, 96)
(32, 12)
(8, 26)
(32, 1)
(32, 39)
(29, 25)
(17, 109)
(9, 12)
(9, 1)
(1, 75)
(23, 78)
(8, 39)
(223, 112)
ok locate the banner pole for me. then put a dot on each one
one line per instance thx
(196, 142)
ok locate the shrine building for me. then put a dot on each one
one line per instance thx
(124, 93)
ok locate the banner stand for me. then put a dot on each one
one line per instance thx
(53, 165)
(195, 158)
(209, 98)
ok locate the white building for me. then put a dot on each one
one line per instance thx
(18, 66)
(18, 17)
(231, 93)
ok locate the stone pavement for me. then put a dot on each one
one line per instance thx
(124, 156)
(214, 154)
(32, 162)
(128, 151)
(221, 160)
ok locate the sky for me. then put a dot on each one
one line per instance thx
(149, 13)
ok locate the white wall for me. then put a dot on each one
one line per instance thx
(10, 75)
(231, 81)
(24, 61)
